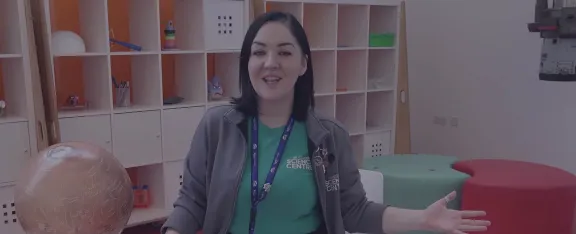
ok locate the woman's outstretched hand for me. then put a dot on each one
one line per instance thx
(438, 218)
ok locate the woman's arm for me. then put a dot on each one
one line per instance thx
(395, 220)
(358, 214)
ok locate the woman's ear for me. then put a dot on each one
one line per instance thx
(304, 65)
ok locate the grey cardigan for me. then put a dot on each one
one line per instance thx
(213, 170)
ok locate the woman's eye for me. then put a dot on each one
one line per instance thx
(285, 53)
(258, 53)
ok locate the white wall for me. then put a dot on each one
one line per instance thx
(476, 60)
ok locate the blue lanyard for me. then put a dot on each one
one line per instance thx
(257, 198)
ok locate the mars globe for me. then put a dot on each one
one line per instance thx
(73, 188)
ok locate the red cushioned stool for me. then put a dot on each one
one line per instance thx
(519, 197)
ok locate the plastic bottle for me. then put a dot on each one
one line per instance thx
(170, 37)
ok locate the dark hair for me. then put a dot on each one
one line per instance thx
(247, 103)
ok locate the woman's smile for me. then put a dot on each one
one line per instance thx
(271, 81)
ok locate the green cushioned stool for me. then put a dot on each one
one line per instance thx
(416, 181)
(420, 159)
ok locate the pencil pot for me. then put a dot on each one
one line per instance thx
(123, 97)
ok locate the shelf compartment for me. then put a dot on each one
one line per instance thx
(351, 72)
(13, 89)
(324, 63)
(326, 105)
(183, 75)
(357, 142)
(153, 177)
(381, 69)
(87, 79)
(15, 145)
(187, 19)
(173, 180)
(377, 144)
(379, 110)
(352, 25)
(383, 26)
(178, 126)
(135, 22)
(86, 18)
(95, 129)
(142, 73)
(319, 24)
(137, 138)
(294, 8)
(225, 66)
(350, 111)
(10, 41)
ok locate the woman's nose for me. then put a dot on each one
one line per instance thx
(271, 61)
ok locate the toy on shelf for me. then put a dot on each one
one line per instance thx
(67, 42)
(128, 45)
(122, 93)
(141, 196)
(170, 37)
(73, 100)
(2, 108)
(73, 103)
(215, 90)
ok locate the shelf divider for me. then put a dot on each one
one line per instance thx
(10, 40)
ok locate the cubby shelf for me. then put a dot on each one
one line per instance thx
(355, 62)
(12, 82)
(20, 121)
(141, 101)
(144, 103)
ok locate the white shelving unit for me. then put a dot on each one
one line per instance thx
(150, 137)
(19, 123)
(354, 81)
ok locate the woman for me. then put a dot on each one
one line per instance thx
(269, 164)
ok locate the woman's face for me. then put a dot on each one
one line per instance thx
(276, 61)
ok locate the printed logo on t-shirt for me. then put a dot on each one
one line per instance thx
(333, 183)
(299, 162)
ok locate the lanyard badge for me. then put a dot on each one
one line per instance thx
(259, 197)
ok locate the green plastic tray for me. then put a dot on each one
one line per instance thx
(382, 39)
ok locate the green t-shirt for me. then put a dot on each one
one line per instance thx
(291, 205)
